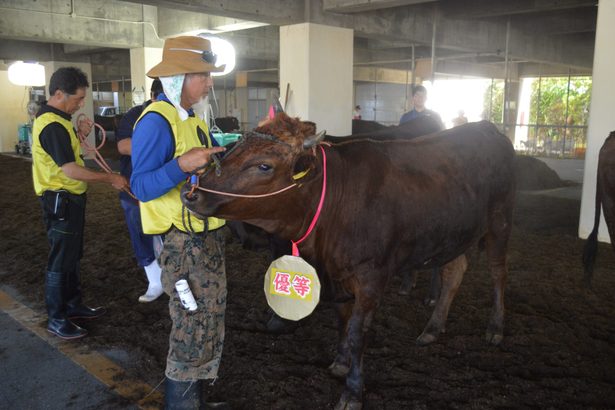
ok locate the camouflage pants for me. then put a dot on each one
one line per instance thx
(196, 339)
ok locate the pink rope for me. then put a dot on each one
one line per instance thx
(246, 195)
(88, 149)
(295, 249)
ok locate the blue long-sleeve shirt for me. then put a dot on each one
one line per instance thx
(154, 170)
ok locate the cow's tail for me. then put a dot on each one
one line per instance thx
(591, 246)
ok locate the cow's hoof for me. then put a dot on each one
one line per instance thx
(429, 302)
(494, 338)
(425, 339)
(404, 291)
(348, 403)
(339, 369)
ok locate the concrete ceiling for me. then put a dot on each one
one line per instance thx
(468, 37)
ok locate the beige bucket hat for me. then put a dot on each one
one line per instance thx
(183, 55)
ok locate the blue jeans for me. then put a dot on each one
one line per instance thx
(142, 244)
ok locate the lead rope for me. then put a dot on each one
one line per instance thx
(89, 149)
(295, 249)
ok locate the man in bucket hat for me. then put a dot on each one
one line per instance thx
(170, 142)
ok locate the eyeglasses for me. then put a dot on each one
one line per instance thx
(206, 55)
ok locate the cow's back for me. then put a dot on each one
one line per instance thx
(426, 199)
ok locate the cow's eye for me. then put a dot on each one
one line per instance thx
(264, 167)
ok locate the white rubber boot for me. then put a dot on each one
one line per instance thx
(154, 289)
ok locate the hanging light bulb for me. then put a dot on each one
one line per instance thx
(225, 52)
(30, 74)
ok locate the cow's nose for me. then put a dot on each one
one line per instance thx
(188, 194)
(191, 196)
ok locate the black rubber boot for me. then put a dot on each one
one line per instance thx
(182, 395)
(84, 312)
(75, 309)
(65, 329)
(58, 322)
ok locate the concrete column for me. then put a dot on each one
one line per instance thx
(141, 60)
(240, 106)
(316, 61)
(88, 108)
(600, 114)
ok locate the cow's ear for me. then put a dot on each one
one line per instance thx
(303, 168)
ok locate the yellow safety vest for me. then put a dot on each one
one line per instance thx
(158, 215)
(46, 174)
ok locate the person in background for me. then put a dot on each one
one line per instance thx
(419, 97)
(356, 114)
(460, 119)
(169, 143)
(61, 181)
(142, 244)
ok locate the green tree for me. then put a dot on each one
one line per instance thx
(494, 102)
(557, 104)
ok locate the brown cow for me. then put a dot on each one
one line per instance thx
(605, 198)
(388, 204)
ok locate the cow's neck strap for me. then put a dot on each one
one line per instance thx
(295, 249)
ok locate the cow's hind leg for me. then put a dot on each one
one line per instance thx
(452, 274)
(496, 242)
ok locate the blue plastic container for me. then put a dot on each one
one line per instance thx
(23, 133)
(226, 138)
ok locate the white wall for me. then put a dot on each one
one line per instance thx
(12, 111)
(601, 118)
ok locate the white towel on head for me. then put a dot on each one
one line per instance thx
(172, 87)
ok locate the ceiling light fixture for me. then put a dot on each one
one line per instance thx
(225, 52)
(30, 74)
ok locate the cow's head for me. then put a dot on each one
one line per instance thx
(273, 156)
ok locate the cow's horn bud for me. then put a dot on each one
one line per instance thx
(313, 140)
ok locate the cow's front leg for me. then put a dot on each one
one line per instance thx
(357, 327)
(341, 364)
(452, 274)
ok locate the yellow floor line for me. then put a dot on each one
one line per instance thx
(105, 370)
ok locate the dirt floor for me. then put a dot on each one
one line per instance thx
(558, 351)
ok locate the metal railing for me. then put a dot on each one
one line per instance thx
(549, 140)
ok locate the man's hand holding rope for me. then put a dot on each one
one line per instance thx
(197, 158)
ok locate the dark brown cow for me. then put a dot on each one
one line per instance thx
(605, 199)
(365, 126)
(389, 204)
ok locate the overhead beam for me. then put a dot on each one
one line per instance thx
(536, 70)
(558, 23)
(172, 22)
(278, 12)
(471, 9)
(356, 6)
(114, 24)
(470, 69)
(11, 50)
